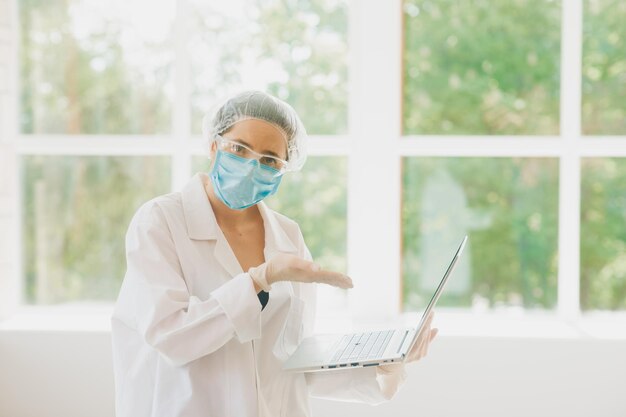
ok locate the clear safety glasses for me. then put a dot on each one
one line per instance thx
(242, 151)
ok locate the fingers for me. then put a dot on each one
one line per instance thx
(430, 338)
(292, 268)
(433, 334)
(426, 326)
(307, 271)
(420, 348)
(429, 319)
(297, 263)
(335, 279)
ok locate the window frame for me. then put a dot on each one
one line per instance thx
(373, 194)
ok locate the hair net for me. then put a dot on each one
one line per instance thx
(262, 106)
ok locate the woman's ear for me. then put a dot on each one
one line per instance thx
(212, 150)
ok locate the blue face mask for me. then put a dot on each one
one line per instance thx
(240, 182)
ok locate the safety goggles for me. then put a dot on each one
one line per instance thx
(243, 151)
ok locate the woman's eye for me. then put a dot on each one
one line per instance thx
(269, 161)
(234, 148)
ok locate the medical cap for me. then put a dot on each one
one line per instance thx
(261, 106)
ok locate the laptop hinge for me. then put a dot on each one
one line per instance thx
(406, 332)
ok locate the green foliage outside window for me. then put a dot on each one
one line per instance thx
(86, 70)
(316, 198)
(603, 234)
(481, 67)
(295, 50)
(604, 67)
(509, 209)
(75, 214)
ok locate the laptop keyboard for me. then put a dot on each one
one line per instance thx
(362, 346)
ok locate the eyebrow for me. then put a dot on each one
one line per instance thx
(266, 152)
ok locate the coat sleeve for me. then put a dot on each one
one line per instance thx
(371, 385)
(180, 327)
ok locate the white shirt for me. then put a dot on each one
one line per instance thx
(189, 337)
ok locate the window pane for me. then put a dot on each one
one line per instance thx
(316, 199)
(75, 214)
(91, 66)
(508, 207)
(317, 196)
(603, 234)
(604, 67)
(295, 50)
(481, 67)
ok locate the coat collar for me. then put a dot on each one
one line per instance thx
(276, 238)
(199, 216)
(202, 224)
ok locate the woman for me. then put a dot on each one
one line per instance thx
(219, 289)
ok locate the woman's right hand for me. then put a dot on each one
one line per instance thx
(285, 267)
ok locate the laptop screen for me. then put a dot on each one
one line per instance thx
(439, 289)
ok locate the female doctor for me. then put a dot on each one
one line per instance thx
(220, 289)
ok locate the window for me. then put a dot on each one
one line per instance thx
(117, 121)
(428, 120)
(295, 50)
(469, 69)
(115, 74)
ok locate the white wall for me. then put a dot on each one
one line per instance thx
(50, 374)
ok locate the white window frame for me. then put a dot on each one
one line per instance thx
(374, 195)
(374, 118)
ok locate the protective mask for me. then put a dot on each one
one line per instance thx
(240, 182)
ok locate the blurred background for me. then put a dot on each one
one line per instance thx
(428, 120)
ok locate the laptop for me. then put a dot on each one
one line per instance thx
(370, 348)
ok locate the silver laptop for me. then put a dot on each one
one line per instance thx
(336, 351)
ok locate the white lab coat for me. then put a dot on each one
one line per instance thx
(189, 337)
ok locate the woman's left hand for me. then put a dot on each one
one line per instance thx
(420, 347)
(390, 376)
